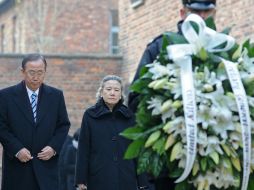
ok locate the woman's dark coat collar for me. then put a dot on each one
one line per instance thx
(100, 109)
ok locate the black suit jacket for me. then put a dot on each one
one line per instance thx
(18, 130)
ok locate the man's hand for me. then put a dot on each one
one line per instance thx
(81, 187)
(24, 155)
(46, 153)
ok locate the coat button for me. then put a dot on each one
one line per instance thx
(114, 138)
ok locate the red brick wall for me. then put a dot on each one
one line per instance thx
(140, 25)
(77, 76)
(59, 26)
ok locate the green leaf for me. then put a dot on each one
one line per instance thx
(175, 38)
(215, 157)
(251, 50)
(163, 55)
(214, 59)
(203, 164)
(132, 133)
(176, 172)
(249, 88)
(159, 145)
(142, 117)
(144, 161)
(250, 47)
(183, 186)
(152, 138)
(210, 23)
(147, 75)
(156, 165)
(165, 42)
(134, 149)
(251, 182)
(143, 71)
(224, 55)
(140, 85)
(237, 53)
(246, 44)
(195, 26)
(226, 85)
(210, 164)
(154, 128)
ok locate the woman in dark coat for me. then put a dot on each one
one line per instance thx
(100, 163)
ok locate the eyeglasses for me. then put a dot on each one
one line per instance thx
(35, 73)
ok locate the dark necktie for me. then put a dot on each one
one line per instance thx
(34, 104)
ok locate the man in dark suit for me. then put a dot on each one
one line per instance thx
(33, 126)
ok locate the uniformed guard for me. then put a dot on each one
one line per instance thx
(203, 8)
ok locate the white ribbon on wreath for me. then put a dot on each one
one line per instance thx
(181, 54)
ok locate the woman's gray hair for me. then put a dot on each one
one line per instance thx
(104, 80)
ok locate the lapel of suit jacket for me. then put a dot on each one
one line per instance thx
(43, 102)
(22, 100)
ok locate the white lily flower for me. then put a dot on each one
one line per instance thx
(224, 123)
(208, 144)
(247, 62)
(210, 77)
(217, 111)
(155, 104)
(168, 114)
(176, 125)
(205, 78)
(219, 178)
(219, 99)
(205, 116)
(182, 162)
(202, 138)
(201, 150)
(235, 118)
(235, 139)
(250, 100)
(226, 179)
(173, 69)
(221, 72)
(234, 136)
(176, 89)
(202, 142)
(159, 70)
(213, 145)
(209, 178)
